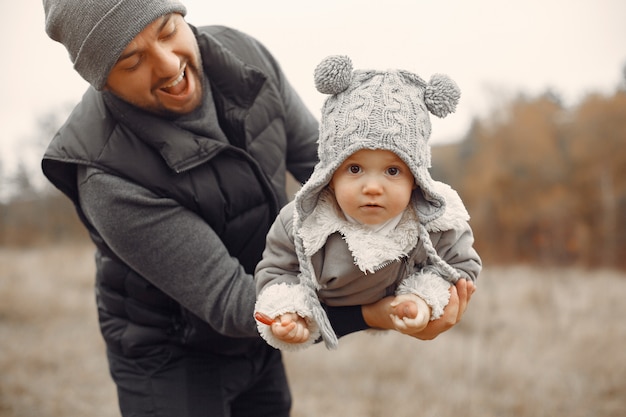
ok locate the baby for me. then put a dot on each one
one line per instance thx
(370, 222)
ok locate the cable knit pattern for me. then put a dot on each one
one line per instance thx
(370, 109)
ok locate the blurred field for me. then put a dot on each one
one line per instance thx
(535, 342)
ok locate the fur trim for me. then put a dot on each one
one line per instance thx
(455, 216)
(369, 249)
(433, 289)
(325, 220)
(280, 299)
(448, 214)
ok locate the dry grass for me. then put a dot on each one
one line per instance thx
(52, 360)
(534, 343)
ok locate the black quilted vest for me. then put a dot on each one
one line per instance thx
(136, 317)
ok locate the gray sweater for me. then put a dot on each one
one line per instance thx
(136, 224)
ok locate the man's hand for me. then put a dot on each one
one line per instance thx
(378, 315)
(410, 313)
(460, 295)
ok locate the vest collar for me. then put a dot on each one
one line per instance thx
(234, 83)
(230, 77)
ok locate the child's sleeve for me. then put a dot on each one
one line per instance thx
(456, 248)
(276, 279)
(452, 236)
(430, 287)
(279, 263)
(453, 240)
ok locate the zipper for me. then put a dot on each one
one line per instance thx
(389, 262)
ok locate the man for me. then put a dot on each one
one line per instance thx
(176, 161)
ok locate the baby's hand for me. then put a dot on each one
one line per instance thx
(290, 328)
(409, 313)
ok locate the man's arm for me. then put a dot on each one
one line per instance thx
(171, 247)
(378, 315)
(301, 126)
(351, 319)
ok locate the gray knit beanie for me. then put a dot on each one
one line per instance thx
(96, 32)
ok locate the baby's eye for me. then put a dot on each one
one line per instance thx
(393, 171)
(354, 169)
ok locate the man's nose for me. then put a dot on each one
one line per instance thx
(166, 62)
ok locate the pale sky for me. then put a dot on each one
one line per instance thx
(493, 49)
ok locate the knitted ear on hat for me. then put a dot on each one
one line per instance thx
(441, 95)
(333, 75)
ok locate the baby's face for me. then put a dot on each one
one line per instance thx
(373, 186)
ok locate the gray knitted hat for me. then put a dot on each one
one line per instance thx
(370, 109)
(96, 32)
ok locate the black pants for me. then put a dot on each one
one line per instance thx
(178, 383)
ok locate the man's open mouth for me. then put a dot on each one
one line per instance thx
(176, 86)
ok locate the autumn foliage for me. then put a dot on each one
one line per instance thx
(545, 184)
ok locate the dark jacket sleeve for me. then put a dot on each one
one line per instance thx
(346, 320)
(302, 134)
(302, 126)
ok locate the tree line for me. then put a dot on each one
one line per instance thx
(544, 184)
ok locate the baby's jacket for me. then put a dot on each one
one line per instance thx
(353, 265)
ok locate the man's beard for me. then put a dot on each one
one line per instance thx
(191, 70)
(161, 110)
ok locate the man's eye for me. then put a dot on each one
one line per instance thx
(168, 33)
(167, 36)
(129, 62)
(131, 66)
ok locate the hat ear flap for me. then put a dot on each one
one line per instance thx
(333, 75)
(441, 95)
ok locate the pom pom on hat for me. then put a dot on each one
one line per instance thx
(333, 75)
(441, 95)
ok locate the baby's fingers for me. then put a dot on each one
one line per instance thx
(291, 331)
(398, 323)
(299, 335)
(404, 308)
(283, 330)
